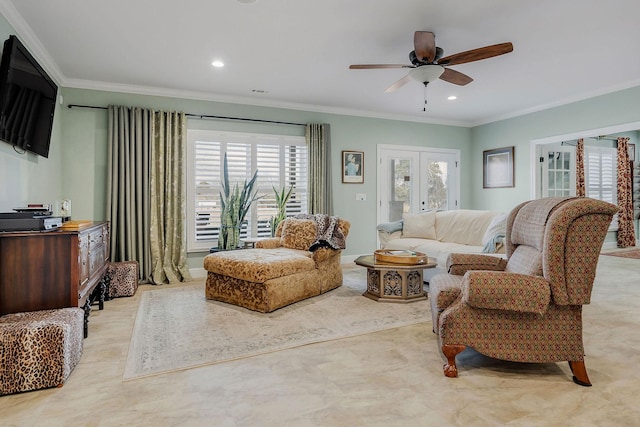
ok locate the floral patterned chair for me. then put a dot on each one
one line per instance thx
(302, 261)
(527, 307)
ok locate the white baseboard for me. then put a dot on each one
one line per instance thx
(349, 259)
(198, 273)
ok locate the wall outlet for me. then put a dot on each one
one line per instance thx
(361, 196)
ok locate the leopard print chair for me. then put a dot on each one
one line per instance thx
(39, 349)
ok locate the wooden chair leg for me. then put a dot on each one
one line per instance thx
(450, 352)
(579, 371)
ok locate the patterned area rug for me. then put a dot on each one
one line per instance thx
(633, 253)
(177, 328)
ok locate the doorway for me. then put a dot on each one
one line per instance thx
(414, 179)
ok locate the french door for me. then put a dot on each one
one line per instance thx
(413, 179)
(558, 171)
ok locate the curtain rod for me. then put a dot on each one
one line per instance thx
(573, 142)
(206, 116)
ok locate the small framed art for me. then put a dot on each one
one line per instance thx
(498, 168)
(353, 167)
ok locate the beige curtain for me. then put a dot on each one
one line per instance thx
(168, 194)
(146, 191)
(128, 143)
(626, 230)
(319, 152)
(580, 189)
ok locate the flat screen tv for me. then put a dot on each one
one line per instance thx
(27, 100)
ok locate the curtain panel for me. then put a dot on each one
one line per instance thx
(580, 188)
(128, 143)
(626, 230)
(319, 147)
(168, 198)
(146, 191)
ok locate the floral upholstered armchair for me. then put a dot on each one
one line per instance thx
(527, 307)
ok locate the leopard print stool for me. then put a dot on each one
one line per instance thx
(39, 349)
(123, 278)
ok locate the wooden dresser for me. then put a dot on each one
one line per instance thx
(42, 270)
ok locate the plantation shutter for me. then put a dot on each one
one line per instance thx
(281, 162)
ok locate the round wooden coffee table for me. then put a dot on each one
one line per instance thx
(394, 282)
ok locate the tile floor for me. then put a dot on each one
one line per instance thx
(388, 378)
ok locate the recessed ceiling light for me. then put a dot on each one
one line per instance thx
(217, 64)
(452, 98)
(246, 1)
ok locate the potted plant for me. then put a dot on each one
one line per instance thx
(235, 203)
(282, 198)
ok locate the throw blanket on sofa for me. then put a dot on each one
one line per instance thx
(328, 233)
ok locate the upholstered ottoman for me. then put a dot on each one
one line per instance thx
(39, 349)
(261, 279)
(123, 278)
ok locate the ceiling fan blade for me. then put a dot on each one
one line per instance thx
(477, 54)
(424, 43)
(403, 81)
(374, 66)
(455, 77)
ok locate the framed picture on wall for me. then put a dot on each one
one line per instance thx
(498, 168)
(353, 167)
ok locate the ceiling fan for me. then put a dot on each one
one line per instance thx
(427, 63)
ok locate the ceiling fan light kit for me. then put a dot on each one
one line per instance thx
(428, 65)
(426, 73)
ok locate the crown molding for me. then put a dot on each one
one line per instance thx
(213, 97)
(29, 39)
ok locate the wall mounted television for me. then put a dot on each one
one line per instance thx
(27, 100)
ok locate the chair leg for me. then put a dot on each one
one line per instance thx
(579, 371)
(450, 352)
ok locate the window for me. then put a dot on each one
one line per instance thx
(601, 176)
(281, 162)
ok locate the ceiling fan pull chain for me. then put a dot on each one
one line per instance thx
(425, 97)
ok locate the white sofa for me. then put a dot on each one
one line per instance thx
(439, 233)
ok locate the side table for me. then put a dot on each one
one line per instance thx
(394, 282)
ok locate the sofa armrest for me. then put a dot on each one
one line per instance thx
(322, 254)
(271, 243)
(458, 264)
(496, 290)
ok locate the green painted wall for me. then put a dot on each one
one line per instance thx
(595, 113)
(85, 138)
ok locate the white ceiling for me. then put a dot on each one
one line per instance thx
(299, 51)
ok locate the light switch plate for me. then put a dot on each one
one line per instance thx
(361, 196)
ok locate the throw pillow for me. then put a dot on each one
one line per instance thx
(298, 233)
(421, 225)
(495, 234)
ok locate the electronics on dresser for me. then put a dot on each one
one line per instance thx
(27, 100)
(29, 221)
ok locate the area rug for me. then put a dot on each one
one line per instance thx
(177, 328)
(633, 253)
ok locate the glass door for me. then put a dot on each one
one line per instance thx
(413, 179)
(558, 171)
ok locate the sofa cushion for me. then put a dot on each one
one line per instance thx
(463, 226)
(298, 233)
(420, 225)
(259, 265)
